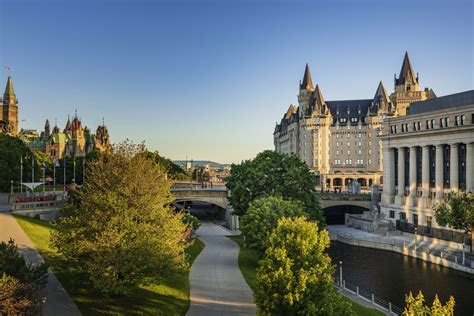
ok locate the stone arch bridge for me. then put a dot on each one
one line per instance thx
(329, 201)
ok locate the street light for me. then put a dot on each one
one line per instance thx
(416, 239)
(463, 254)
(11, 186)
(340, 273)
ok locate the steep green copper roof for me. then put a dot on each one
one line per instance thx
(9, 88)
(60, 138)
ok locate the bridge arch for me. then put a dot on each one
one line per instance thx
(335, 214)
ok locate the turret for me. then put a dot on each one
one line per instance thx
(47, 128)
(406, 81)
(306, 89)
(9, 113)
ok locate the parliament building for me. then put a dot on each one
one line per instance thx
(75, 140)
(340, 140)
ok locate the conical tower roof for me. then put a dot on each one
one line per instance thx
(9, 92)
(406, 73)
(381, 93)
(307, 81)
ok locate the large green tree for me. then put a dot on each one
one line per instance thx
(457, 212)
(272, 173)
(12, 152)
(262, 217)
(295, 275)
(117, 230)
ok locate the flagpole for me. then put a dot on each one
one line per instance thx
(74, 170)
(33, 169)
(21, 175)
(44, 177)
(64, 167)
(83, 170)
(54, 175)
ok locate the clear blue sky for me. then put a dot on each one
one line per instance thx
(209, 79)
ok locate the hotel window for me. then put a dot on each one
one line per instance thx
(348, 152)
(337, 144)
(403, 216)
(392, 214)
(348, 144)
(337, 152)
(360, 135)
(337, 135)
(415, 220)
(459, 120)
(350, 161)
(343, 120)
(370, 161)
(348, 135)
(337, 127)
(444, 122)
(360, 144)
(360, 152)
(354, 119)
(360, 126)
(348, 127)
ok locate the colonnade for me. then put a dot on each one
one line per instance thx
(433, 184)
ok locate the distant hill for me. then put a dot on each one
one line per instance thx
(202, 163)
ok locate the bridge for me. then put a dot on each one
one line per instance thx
(334, 205)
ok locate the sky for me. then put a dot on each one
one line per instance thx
(208, 80)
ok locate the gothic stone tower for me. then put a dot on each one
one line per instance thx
(407, 88)
(9, 114)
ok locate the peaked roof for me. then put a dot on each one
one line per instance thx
(381, 93)
(307, 81)
(406, 73)
(319, 96)
(9, 88)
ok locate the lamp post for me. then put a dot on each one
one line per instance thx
(463, 254)
(340, 273)
(11, 186)
(416, 239)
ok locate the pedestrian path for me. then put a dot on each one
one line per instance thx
(217, 286)
(58, 301)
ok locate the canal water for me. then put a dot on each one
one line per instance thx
(391, 275)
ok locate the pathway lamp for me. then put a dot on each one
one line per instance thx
(11, 186)
(463, 254)
(340, 273)
(416, 239)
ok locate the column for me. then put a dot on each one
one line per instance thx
(425, 171)
(454, 168)
(439, 172)
(470, 167)
(401, 171)
(388, 175)
(412, 176)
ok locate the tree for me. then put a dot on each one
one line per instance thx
(117, 229)
(295, 275)
(277, 174)
(415, 306)
(12, 152)
(457, 212)
(262, 217)
(173, 170)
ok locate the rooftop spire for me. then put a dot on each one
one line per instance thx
(406, 73)
(381, 93)
(307, 82)
(9, 92)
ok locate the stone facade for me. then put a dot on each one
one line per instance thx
(427, 154)
(9, 113)
(74, 141)
(339, 140)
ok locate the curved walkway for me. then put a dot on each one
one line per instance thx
(217, 286)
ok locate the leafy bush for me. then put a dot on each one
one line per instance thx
(21, 284)
(295, 275)
(262, 217)
(191, 221)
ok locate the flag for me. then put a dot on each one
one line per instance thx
(7, 69)
(44, 165)
(56, 163)
(21, 161)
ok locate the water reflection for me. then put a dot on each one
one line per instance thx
(391, 275)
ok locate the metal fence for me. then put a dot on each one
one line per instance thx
(443, 234)
(369, 297)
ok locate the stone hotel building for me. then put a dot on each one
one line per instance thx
(427, 153)
(339, 140)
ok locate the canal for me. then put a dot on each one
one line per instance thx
(391, 275)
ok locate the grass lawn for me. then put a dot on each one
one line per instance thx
(248, 266)
(170, 297)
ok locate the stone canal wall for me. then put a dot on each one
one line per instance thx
(403, 249)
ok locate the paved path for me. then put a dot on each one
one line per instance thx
(217, 286)
(58, 301)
